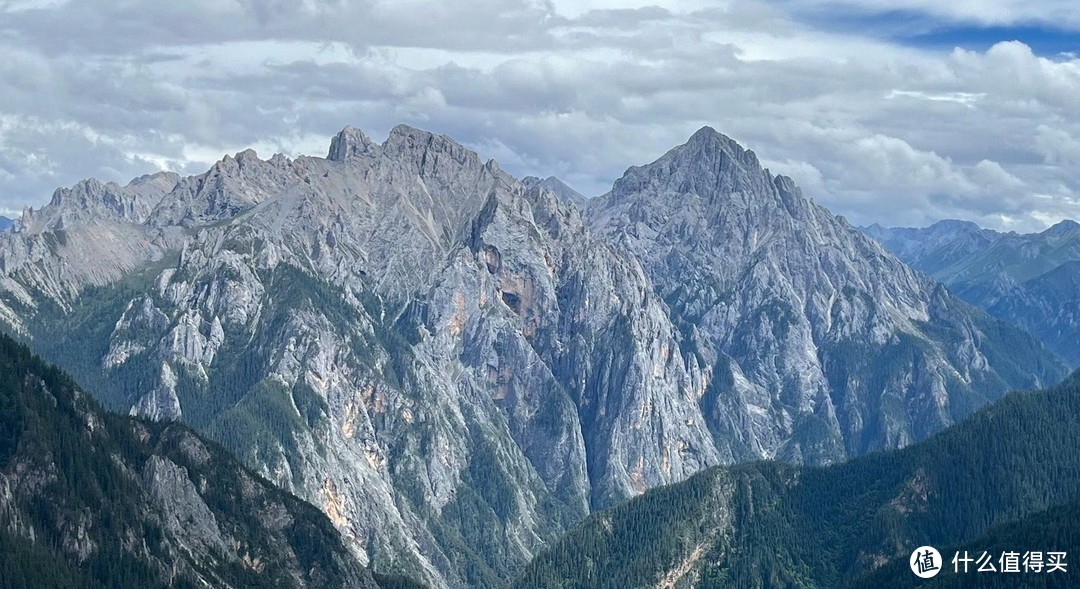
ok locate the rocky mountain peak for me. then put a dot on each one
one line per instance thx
(160, 181)
(709, 144)
(761, 280)
(955, 225)
(709, 163)
(710, 137)
(409, 143)
(233, 184)
(1066, 228)
(83, 190)
(247, 155)
(348, 143)
(91, 199)
(233, 164)
(561, 190)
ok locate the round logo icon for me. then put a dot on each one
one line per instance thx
(926, 562)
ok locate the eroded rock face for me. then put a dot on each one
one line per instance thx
(184, 513)
(817, 344)
(456, 367)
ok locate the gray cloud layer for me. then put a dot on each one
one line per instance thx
(876, 131)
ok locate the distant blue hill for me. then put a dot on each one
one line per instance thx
(1030, 280)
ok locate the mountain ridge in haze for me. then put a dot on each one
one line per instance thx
(1026, 279)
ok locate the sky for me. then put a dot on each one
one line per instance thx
(900, 112)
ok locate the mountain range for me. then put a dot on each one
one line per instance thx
(457, 366)
(1030, 280)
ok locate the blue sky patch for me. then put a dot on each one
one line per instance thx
(917, 29)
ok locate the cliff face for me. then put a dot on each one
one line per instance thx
(816, 344)
(455, 366)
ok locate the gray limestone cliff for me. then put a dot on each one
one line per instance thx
(814, 342)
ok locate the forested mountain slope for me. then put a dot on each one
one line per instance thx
(94, 499)
(1054, 530)
(771, 525)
